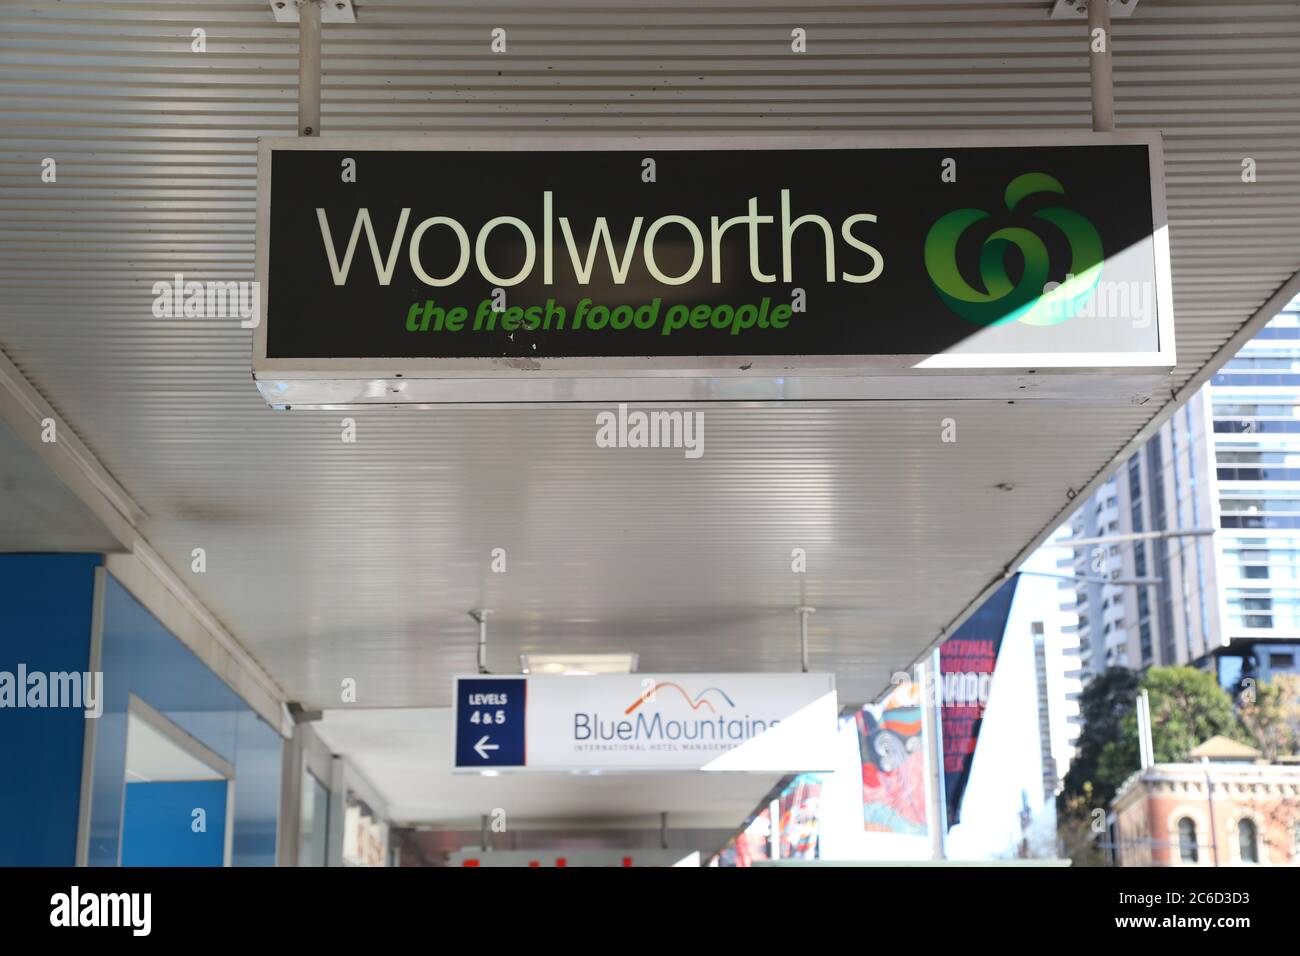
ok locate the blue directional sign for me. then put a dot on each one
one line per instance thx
(490, 724)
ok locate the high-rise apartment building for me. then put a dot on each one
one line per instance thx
(1229, 462)
(1058, 675)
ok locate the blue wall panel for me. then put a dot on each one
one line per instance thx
(141, 656)
(257, 794)
(46, 606)
(159, 823)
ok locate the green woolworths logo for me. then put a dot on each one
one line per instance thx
(1028, 300)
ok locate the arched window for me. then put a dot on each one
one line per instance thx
(1248, 841)
(1187, 840)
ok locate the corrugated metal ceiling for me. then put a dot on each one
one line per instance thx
(330, 560)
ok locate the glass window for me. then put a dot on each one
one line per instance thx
(1187, 840)
(313, 822)
(1248, 841)
(1230, 668)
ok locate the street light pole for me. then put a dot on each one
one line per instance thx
(1209, 799)
(1073, 543)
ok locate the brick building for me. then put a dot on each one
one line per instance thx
(1225, 807)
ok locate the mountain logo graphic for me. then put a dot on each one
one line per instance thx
(1003, 301)
(699, 700)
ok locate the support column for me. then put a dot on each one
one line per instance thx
(291, 771)
(928, 674)
(338, 810)
(1099, 61)
(309, 68)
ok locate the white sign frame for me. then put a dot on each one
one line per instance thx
(818, 687)
(353, 382)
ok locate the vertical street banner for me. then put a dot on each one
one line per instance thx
(893, 763)
(750, 845)
(966, 664)
(800, 804)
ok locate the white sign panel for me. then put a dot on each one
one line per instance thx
(771, 723)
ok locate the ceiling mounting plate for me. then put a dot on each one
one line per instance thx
(331, 11)
(1078, 9)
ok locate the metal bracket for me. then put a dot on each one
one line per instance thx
(803, 611)
(480, 614)
(1078, 9)
(300, 715)
(331, 11)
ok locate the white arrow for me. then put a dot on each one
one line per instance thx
(483, 746)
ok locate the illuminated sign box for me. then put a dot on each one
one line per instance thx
(595, 269)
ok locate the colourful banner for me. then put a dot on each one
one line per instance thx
(751, 844)
(800, 806)
(893, 763)
(966, 663)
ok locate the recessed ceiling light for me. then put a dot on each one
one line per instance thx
(578, 664)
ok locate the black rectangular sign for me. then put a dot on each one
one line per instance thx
(432, 259)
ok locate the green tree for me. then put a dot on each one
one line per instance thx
(1103, 705)
(1187, 708)
(1271, 712)
(1078, 826)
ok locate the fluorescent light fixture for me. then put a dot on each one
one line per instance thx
(578, 664)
